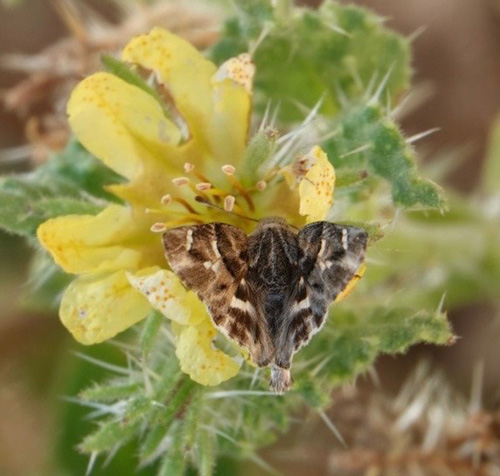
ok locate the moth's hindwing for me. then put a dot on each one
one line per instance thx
(212, 261)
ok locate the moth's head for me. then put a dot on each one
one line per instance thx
(270, 222)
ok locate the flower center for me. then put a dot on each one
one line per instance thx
(233, 198)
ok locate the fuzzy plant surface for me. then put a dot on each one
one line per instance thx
(164, 124)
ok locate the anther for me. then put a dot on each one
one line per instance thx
(228, 169)
(261, 185)
(180, 181)
(203, 186)
(158, 228)
(166, 199)
(188, 168)
(229, 203)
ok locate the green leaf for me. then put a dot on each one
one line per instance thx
(17, 214)
(176, 401)
(207, 453)
(25, 203)
(72, 419)
(151, 443)
(174, 461)
(150, 331)
(76, 171)
(72, 182)
(259, 150)
(110, 392)
(110, 434)
(334, 52)
(371, 143)
(438, 259)
(354, 337)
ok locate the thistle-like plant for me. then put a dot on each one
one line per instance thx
(164, 125)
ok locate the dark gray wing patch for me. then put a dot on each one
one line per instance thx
(330, 256)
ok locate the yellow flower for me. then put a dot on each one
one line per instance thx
(167, 160)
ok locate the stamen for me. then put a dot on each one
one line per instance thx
(185, 204)
(216, 193)
(158, 228)
(200, 176)
(158, 211)
(244, 192)
(240, 212)
(166, 199)
(229, 203)
(228, 169)
(236, 210)
(261, 185)
(180, 181)
(203, 186)
(188, 167)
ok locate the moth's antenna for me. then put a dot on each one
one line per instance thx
(204, 201)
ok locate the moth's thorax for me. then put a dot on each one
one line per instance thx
(273, 254)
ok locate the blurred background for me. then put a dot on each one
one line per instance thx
(456, 89)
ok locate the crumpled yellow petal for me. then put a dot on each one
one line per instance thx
(215, 108)
(317, 187)
(165, 292)
(119, 123)
(83, 243)
(96, 307)
(239, 69)
(199, 358)
(352, 283)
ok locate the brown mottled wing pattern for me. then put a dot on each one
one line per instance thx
(330, 256)
(212, 261)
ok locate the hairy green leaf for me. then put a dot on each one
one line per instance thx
(354, 337)
(332, 53)
(110, 434)
(110, 392)
(369, 142)
(76, 171)
(150, 331)
(72, 182)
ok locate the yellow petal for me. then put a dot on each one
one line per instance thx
(96, 307)
(316, 189)
(239, 69)
(227, 133)
(165, 292)
(215, 107)
(83, 243)
(200, 359)
(120, 124)
(352, 283)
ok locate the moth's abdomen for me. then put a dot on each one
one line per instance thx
(274, 307)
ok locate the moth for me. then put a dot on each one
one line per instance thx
(268, 291)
